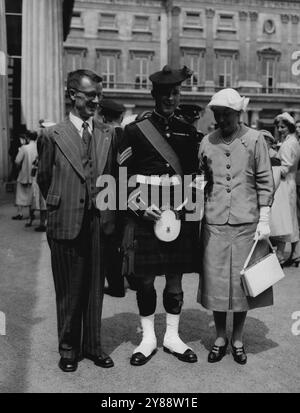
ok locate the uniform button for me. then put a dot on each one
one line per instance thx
(227, 153)
(228, 166)
(167, 128)
(228, 178)
(82, 201)
(167, 165)
(168, 135)
(228, 190)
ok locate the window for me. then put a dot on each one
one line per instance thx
(74, 58)
(192, 23)
(194, 60)
(107, 68)
(14, 6)
(269, 58)
(226, 22)
(76, 21)
(141, 72)
(269, 26)
(193, 18)
(225, 70)
(141, 23)
(13, 12)
(268, 71)
(107, 21)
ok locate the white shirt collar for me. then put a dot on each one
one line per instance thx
(77, 122)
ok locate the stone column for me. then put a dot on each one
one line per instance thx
(4, 136)
(245, 117)
(295, 27)
(174, 41)
(284, 74)
(255, 117)
(163, 38)
(252, 66)
(243, 75)
(128, 109)
(42, 62)
(209, 81)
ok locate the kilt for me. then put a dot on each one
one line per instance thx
(225, 249)
(155, 257)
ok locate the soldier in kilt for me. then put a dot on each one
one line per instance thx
(152, 256)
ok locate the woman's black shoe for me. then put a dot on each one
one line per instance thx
(18, 217)
(290, 262)
(217, 353)
(239, 354)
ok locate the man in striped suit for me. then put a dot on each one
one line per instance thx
(72, 155)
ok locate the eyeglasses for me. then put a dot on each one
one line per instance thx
(90, 95)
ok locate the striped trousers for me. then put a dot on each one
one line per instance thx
(78, 272)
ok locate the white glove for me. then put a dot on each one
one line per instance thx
(263, 228)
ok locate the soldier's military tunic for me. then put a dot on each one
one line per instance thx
(152, 256)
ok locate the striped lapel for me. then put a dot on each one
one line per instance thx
(102, 138)
(69, 142)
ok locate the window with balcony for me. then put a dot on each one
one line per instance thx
(226, 66)
(74, 58)
(194, 60)
(141, 68)
(107, 68)
(269, 58)
(141, 72)
(268, 72)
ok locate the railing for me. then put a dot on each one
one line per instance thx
(256, 90)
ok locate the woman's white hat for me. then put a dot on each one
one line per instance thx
(287, 117)
(229, 98)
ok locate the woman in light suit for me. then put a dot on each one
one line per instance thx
(289, 154)
(238, 197)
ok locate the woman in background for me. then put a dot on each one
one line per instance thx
(280, 214)
(289, 154)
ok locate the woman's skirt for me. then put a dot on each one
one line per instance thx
(224, 251)
(23, 194)
(281, 224)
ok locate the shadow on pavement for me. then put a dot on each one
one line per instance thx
(195, 325)
(19, 252)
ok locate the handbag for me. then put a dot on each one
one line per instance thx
(261, 275)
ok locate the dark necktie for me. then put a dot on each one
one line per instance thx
(86, 136)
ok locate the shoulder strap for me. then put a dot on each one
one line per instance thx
(160, 144)
(251, 252)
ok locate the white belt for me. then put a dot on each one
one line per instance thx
(158, 180)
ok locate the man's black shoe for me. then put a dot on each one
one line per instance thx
(114, 293)
(102, 361)
(188, 356)
(139, 359)
(68, 365)
(40, 228)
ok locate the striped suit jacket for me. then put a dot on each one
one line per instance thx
(61, 176)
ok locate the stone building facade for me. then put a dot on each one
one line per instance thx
(245, 44)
